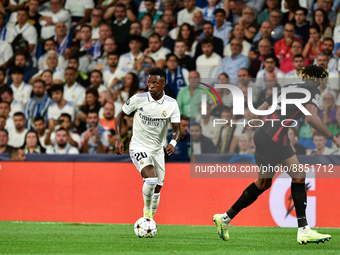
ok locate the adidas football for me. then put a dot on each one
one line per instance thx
(145, 227)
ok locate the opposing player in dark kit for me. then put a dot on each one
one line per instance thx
(273, 148)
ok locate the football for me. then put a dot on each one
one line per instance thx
(145, 227)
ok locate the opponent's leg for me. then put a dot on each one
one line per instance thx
(249, 195)
(155, 199)
(299, 195)
(150, 181)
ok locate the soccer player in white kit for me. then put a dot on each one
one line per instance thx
(153, 111)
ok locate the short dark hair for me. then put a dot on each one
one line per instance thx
(50, 39)
(298, 56)
(57, 87)
(328, 39)
(121, 5)
(97, 71)
(4, 130)
(70, 68)
(137, 38)
(184, 117)
(158, 71)
(18, 70)
(171, 55)
(3, 70)
(271, 55)
(21, 54)
(316, 27)
(61, 129)
(147, 15)
(85, 25)
(305, 11)
(5, 89)
(208, 22)
(38, 118)
(23, 10)
(207, 40)
(19, 114)
(155, 35)
(41, 81)
(196, 124)
(4, 102)
(74, 57)
(92, 91)
(112, 53)
(66, 115)
(220, 10)
(92, 111)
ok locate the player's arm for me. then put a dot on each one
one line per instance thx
(119, 144)
(170, 149)
(315, 122)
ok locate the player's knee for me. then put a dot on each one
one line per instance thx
(151, 181)
(158, 189)
(149, 172)
(263, 184)
(298, 180)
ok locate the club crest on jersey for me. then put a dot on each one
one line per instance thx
(141, 162)
(164, 114)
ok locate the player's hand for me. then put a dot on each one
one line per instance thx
(119, 146)
(170, 149)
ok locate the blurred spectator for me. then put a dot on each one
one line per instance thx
(207, 122)
(208, 31)
(86, 41)
(80, 13)
(186, 33)
(287, 64)
(156, 50)
(6, 94)
(181, 153)
(2, 121)
(209, 63)
(4, 110)
(144, 70)
(23, 30)
(264, 48)
(244, 144)
(40, 128)
(264, 15)
(275, 20)
(125, 137)
(265, 32)
(127, 61)
(97, 50)
(17, 154)
(224, 136)
(136, 30)
(327, 48)
(32, 144)
(236, 7)
(65, 122)
(50, 18)
(269, 68)
(2, 77)
(335, 128)
(49, 45)
(6, 52)
(146, 23)
(328, 113)
(22, 91)
(4, 147)
(209, 10)
(38, 104)
(270, 82)
(109, 120)
(320, 143)
(162, 29)
(62, 146)
(3, 28)
(95, 139)
(291, 6)
(293, 138)
(200, 144)
(326, 5)
(320, 18)
(248, 21)
(221, 28)
(130, 87)
(322, 60)
(189, 98)
(177, 77)
(233, 63)
(82, 78)
(150, 9)
(21, 61)
(301, 24)
(184, 60)
(170, 18)
(121, 26)
(73, 92)
(96, 21)
(112, 75)
(62, 41)
(47, 77)
(282, 46)
(314, 44)
(238, 33)
(59, 106)
(96, 79)
(198, 22)
(101, 62)
(294, 76)
(104, 97)
(186, 15)
(17, 136)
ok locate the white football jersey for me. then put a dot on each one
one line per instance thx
(151, 119)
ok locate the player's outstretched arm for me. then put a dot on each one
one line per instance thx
(315, 122)
(170, 149)
(119, 144)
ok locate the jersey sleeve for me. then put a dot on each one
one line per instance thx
(130, 105)
(176, 115)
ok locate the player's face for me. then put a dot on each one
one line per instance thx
(31, 139)
(184, 125)
(19, 122)
(298, 63)
(156, 86)
(61, 138)
(39, 126)
(3, 138)
(322, 61)
(319, 141)
(195, 132)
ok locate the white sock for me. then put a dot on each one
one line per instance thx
(155, 202)
(148, 191)
(226, 218)
(304, 230)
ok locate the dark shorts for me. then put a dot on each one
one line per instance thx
(268, 152)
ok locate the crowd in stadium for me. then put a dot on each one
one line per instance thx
(68, 66)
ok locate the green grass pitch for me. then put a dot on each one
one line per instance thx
(53, 238)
